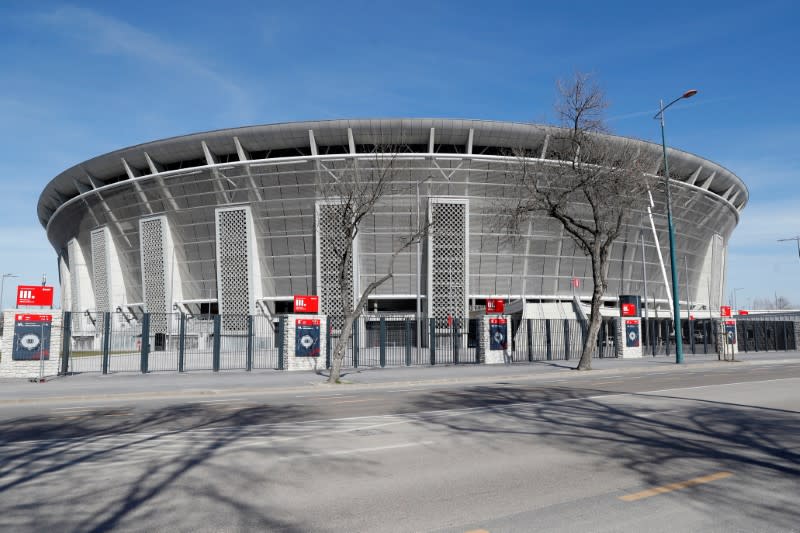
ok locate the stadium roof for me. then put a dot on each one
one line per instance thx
(306, 139)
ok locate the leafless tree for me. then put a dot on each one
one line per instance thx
(351, 194)
(771, 304)
(592, 191)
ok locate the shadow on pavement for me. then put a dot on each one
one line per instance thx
(660, 445)
(105, 469)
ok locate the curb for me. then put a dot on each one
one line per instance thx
(355, 386)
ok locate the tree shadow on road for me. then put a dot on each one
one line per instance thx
(111, 468)
(660, 439)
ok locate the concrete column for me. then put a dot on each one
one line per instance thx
(490, 356)
(292, 344)
(9, 368)
(629, 337)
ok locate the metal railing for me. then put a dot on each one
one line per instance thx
(174, 342)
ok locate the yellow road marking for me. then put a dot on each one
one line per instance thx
(655, 491)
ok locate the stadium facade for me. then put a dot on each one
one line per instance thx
(229, 222)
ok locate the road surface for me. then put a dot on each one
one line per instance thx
(712, 448)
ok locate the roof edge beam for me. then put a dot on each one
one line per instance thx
(240, 151)
(350, 141)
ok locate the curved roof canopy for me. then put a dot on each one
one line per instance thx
(440, 136)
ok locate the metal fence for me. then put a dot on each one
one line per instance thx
(153, 342)
(123, 342)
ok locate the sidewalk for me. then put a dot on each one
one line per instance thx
(135, 385)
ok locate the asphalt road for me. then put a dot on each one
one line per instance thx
(704, 449)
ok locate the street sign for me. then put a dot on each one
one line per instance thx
(495, 306)
(306, 304)
(628, 309)
(725, 310)
(34, 295)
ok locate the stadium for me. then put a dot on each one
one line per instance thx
(231, 223)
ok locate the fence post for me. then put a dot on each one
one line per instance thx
(548, 333)
(328, 327)
(145, 347)
(249, 364)
(106, 340)
(217, 343)
(566, 339)
(454, 333)
(432, 348)
(408, 342)
(529, 335)
(66, 341)
(281, 343)
(785, 339)
(356, 325)
(668, 328)
(182, 343)
(382, 341)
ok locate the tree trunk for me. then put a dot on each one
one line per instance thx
(599, 258)
(338, 354)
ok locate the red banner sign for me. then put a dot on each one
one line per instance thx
(725, 310)
(628, 310)
(34, 295)
(730, 322)
(497, 321)
(308, 322)
(631, 322)
(744, 312)
(33, 318)
(576, 283)
(306, 304)
(495, 306)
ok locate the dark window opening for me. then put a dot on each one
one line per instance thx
(333, 149)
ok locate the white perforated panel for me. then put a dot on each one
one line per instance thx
(100, 269)
(233, 267)
(331, 242)
(447, 258)
(151, 233)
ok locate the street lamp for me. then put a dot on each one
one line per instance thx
(419, 268)
(676, 307)
(3, 286)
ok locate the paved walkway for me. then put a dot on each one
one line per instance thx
(131, 385)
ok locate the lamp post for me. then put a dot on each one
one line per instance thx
(3, 286)
(419, 268)
(676, 307)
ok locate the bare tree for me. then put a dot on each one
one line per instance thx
(592, 191)
(350, 195)
(770, 304)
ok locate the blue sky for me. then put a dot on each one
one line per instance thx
(79, 80)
